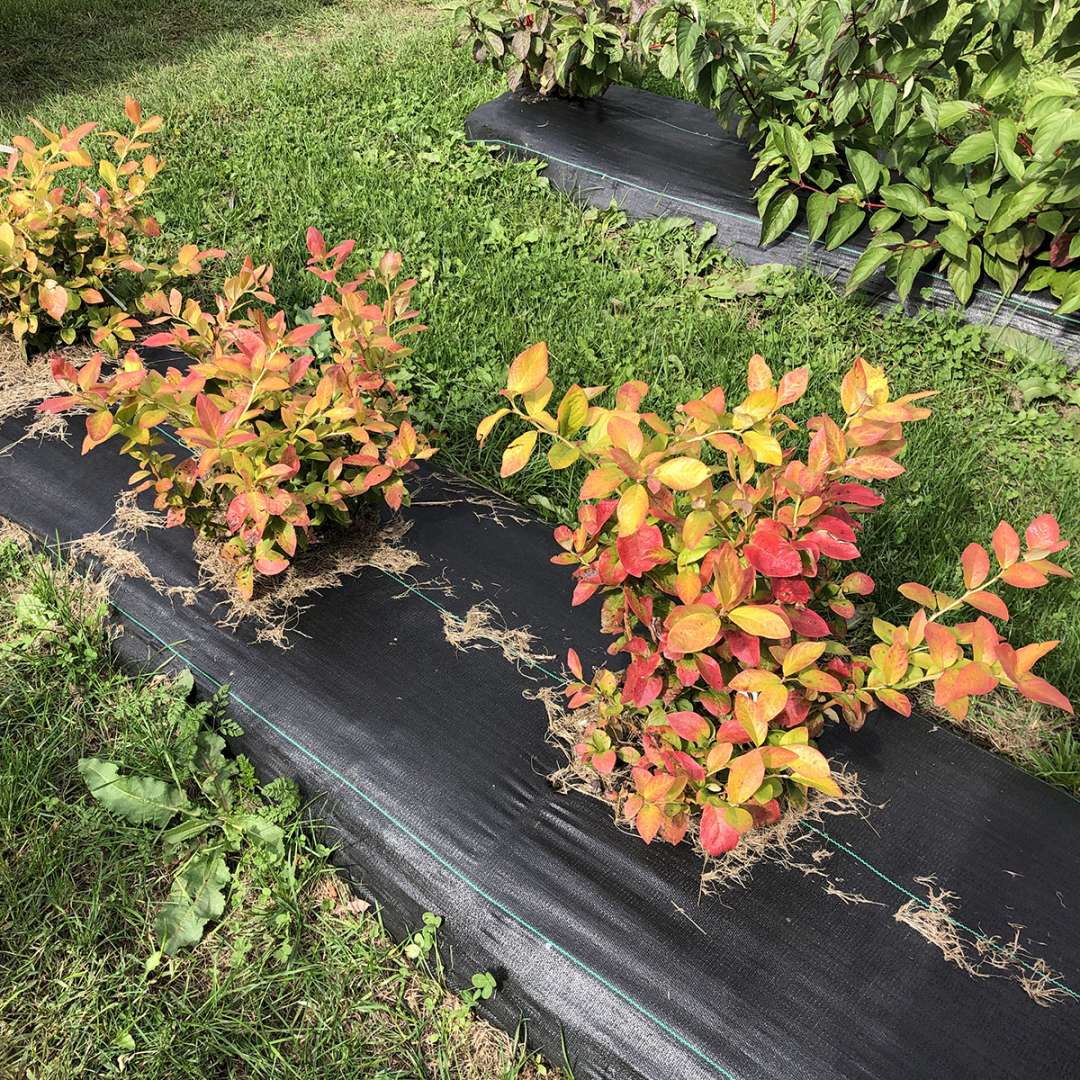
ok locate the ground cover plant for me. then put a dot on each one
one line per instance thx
(724, 562)
(284, 441)
(500, 260)
(294, 974)
(70, 230)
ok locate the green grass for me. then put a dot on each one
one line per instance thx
(348, 115)
(297, 979)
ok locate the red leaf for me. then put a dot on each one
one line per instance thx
(964, 680)
(688, 725)
(604, 762)
(642, 551)
(1044, 535)
(990, 603)
(1006, 544)
(976, 565)
(316, 245)
(770, 554)
(717, 836)
(1023, 576)
(1036, 689)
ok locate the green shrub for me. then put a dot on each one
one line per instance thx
(903, 117)
(555, 46)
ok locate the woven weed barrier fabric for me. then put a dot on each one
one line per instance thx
(431, 763)
(659, 157)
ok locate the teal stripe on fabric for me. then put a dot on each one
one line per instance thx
(1015, 301)
(439, 858)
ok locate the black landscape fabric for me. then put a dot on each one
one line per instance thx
(431, 762)
(660, 157)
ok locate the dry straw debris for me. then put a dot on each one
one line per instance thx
(275, 608)
(26, 381)
(482, 627)
(981, 956)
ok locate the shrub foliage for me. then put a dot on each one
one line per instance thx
(555, 46)
(281, 441)
(724, 561)
(895, 116)
(68, 230)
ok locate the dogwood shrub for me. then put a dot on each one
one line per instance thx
(724, 556)
(68, 229)
(281, 442)
(555, 46)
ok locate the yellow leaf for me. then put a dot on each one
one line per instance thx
(487, 425)
(764, 447)
(573, 411)
(536, 398)
(693, 628)
(745, 774)
(528, 370)
(517, 454)
(632, 508)
(802, 655)
(561, 456)
(682, 473)
(760, 621)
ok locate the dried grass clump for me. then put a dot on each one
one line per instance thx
(981, 956)
(26, 381)
(482, 628)
(1010, 725)
(114, 558)
(277, 604)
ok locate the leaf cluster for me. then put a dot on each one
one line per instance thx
(721, 541)
(282, 440)
(555, 46)
(208, 809)
(69, 229)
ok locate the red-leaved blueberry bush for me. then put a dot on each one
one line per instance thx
(724, 554)
(280, 441)
(69, 229)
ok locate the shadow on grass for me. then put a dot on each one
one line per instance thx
(64, 46)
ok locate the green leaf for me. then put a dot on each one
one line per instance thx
(974, 148)
(882, 102)
(819, 208)
(1002, 75)
(260, 831)
(187, 830)
(688, 33)
(911, 262)
(779, 214)
(1005, 137)
(906, 198)
(952, 112)
(797, 148)
(847, 221)
(195, 898)
(865, 265)
(142, 800)
(954, 240)
(865, 168)
(1017, 205)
